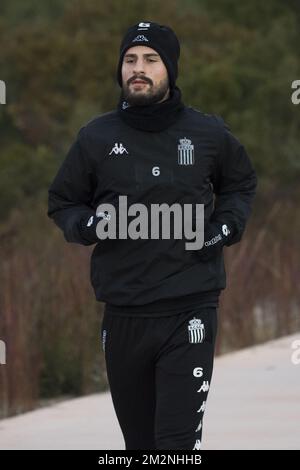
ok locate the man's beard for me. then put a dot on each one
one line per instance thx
(141, 98)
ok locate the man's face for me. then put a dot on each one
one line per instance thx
(144, 76)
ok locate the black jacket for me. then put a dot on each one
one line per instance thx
(110, 158)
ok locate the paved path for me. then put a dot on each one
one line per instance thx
(254, 403)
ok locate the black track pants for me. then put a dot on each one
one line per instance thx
(159, 371)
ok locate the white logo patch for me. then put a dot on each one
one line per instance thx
(204, 387)
(118, 149)
(185, 152)
(90, 221)
(104, 215)
(199, 426)
(202, 407)
(225, 230)
(140, 38)
(144, 25)
(197, 445)
(103, 339)
(196, 331)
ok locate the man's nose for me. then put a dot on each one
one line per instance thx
(139, 66)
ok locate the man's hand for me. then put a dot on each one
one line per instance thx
(89, 224)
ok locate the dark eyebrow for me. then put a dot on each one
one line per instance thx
(144, 55)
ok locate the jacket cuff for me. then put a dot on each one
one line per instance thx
(216, 235)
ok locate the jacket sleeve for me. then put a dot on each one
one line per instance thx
(234, 184)
(70, 195)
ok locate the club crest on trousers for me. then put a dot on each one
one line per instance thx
(196, 331)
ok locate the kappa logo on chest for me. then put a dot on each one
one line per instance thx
(118, 149)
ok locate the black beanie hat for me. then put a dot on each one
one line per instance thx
(160, 38)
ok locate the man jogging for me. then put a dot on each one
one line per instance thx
(161, 299)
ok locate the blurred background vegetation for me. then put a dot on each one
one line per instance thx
(58, 59)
